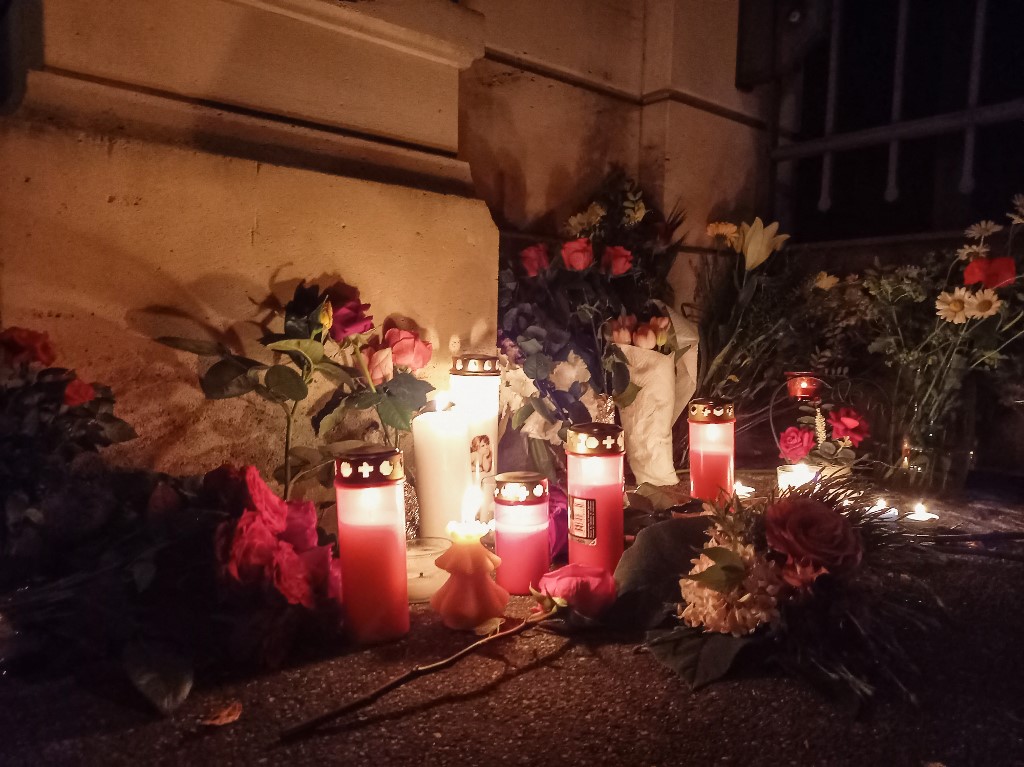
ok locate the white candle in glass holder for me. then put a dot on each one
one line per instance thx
(794, 475)
(474, 382)
(441, 443)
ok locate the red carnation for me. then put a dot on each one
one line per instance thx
(991, 272)
(22, 345)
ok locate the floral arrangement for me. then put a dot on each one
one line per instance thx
(325, 334)
(821, 441)
(556, 305)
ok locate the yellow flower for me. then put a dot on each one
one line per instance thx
(970, 252)
(756, 242)
(635, 214)
(984, 303)
(982, 229)
(825, 281)
(721, 229)
(326, 317)
(952, 307)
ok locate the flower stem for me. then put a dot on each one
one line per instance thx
(310, 725)
(289, 417)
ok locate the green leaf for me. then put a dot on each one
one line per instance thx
(286, 382)
(393, 412)
(719, 578)
(160, 673)
(725, 558)
(114, 429)
(620, 378)
(540, 454)
(335, 373)
(538, 366)
(520, 416)
(195, 346)
(626, 398)
(364, 399)
(308, 348)
(698, 657)
(409, 390)
(227, 378)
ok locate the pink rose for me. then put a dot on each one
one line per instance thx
(578, 254)
(407, 349)
(535, 259)
(78, 392)
(645, 336)
(350, 319)
(22, 345)
(588, 590)
(379, 362)
(847, 422)
(252, 548)
(814, 537)
(291, 576)
(795, 443)
(616, 260)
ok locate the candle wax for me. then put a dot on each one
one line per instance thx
(469, 597)
(595, 524)
(711, 475)
(374, 582)
(524, 557)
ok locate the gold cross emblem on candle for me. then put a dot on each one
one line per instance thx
(609, 442)
(366, 470)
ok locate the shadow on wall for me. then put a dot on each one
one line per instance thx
(537, 147)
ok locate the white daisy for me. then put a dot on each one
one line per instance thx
(982, 229)
(984, 303)
(972, 251)
(952, 307)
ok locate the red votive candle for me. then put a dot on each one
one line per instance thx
(594, 453)
(802, 385)
(521, 529)
(712, 448)
(371, 541)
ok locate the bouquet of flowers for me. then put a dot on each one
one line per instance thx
(827, 443)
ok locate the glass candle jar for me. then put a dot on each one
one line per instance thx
(594, 461)
(712, 448)
(802, 385)
(521, 529)
(371, 542)
(474, 383)
(425, 577)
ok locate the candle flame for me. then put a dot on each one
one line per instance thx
(472, 501)
(921, 513)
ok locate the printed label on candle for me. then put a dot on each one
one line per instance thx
(583, 520)
(481, 454)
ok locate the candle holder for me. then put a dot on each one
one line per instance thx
(712, 448)
(371, 542)
(425, 577)
(594, 462)
(521, 529)
(803, 385)
(474, 383)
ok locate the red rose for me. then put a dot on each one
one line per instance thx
(349, 319)
(407, 349)
(991, 272)
(847, 422)
(22, 345)
(616, 260)
(535, 259)
(300, 527)
(795, 443)
(588, 590)
(291, 576)
(78, 392)
(814, 537)
(225, 488)
(252, 548)
(578, 254)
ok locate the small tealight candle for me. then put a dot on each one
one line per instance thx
(441, 443)
(474, 383)
(743, 491)
(795, 475)
(521, 529)
(921, 514)
(594, 465)
(371, 543)
(712, 448)
(425, 577)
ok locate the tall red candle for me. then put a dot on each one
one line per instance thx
(712, 448)
(371, 541)
(594, 454)
(521, 529)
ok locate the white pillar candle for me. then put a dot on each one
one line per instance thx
(441, 446)
(475, 381)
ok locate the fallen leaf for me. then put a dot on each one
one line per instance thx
(226, 715)
(489, 627)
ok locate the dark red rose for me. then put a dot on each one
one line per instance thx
(225, 488)
(795, 443)
(588, 590)
(252, 548)
(991, 272)
(535, 259)
(291, 576)
(847, 422)
(22, 345)
(78, 392)
(300, 527)
(814, 537)
(577, 255)
(616, 260)
(350, 319)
